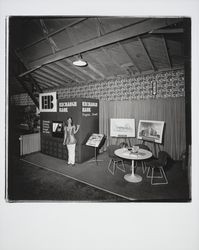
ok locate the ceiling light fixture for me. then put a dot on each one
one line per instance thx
(80, 62)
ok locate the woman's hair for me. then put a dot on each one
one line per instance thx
(68, 119)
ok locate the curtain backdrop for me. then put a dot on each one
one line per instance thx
(170, 110)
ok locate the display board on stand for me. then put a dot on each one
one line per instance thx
(122, 128)
(151, 131)
(96, 141)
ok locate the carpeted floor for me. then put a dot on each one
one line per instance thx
(28, 182)
(98, 177)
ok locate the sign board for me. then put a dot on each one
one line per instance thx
(94, 140)
(48, 102)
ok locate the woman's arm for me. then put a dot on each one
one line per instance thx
(64, 142)
(77, 129)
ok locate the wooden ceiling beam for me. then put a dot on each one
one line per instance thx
(129, 56)
(56, 77)
(43, 80)
(42, 84)
(62, 65)
(124, 33)
(96, 71)
(48, 77)
(167, 31)
(53, 33)
(63, 72)
(50, 41)
(166, 51)
(57, 70)
(146, 53)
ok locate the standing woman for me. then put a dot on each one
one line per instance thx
(69, 139)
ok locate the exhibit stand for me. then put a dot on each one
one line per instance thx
(96, 141)
(84, 112)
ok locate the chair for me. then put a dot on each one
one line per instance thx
(142, 146)
(115, 161)
(159, 163)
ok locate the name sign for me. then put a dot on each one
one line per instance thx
(89, 109)
(64, 106)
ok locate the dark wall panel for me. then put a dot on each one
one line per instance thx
(85, 112)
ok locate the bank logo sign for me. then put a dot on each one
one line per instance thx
(48, 102)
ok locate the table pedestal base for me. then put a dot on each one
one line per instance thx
(133, 178)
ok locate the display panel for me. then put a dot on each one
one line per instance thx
(95, 140)
(57, 129)
(150, 130)
(122, 127)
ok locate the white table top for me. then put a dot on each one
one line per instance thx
(126, 154)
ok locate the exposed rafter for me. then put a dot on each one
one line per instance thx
(59, 70)
(146, 53)
(166, 51)
(48, 38)
(115, 36)
(167, 31)
(50, 73)
(45, 80)
(56, 72)
(96, 71)
(43, 84)
(63, 65)
(48, 77)
(129, 56)
(54, 33)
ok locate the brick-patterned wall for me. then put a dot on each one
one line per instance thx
(22, 99)
(169, 84)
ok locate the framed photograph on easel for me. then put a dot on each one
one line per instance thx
(150, 130)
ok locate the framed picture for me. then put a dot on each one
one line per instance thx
(150, 130)
(122, 128)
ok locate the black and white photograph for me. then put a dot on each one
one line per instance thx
(99, 137)
(72, 77)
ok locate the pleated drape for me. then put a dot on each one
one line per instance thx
(170, 110)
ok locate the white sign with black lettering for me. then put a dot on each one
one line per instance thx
(48, 102)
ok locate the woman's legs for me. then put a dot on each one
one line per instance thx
(71, 153)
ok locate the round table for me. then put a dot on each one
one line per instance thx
(142, 154)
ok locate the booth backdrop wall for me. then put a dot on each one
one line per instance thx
(170, 110)
(88, 121)
(132, 98)
(169, 83)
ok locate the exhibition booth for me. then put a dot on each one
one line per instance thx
(84, 112)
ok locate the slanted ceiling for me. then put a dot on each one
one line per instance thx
(45, 47)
